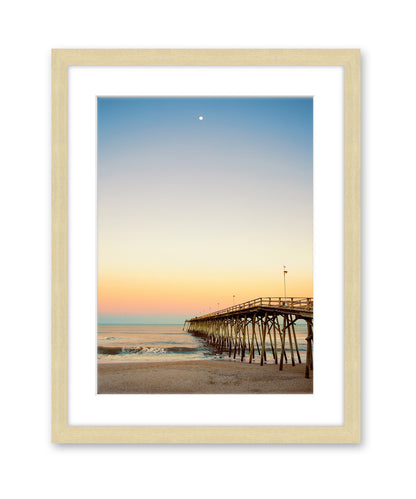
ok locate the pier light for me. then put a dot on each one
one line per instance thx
(284, 279)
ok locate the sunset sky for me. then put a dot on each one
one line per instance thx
(192, 212)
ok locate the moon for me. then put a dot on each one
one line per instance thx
(200, 118)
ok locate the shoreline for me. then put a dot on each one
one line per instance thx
(200, 377)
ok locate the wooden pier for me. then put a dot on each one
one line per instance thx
(243, 330)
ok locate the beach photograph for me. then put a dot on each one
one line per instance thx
(204, 245)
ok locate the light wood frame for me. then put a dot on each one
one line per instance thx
(350, 431)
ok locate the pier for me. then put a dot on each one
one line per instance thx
(243, 330)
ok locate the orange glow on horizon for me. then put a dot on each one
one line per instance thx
(186, 296)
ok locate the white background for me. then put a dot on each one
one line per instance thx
(383, 464)
(325, 406)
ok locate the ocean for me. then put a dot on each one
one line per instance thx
(157, 343)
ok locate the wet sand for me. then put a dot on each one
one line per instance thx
(201, 376)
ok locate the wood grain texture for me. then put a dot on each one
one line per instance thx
(59, 283)
(350, 431)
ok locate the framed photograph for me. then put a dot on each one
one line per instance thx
(205, 246)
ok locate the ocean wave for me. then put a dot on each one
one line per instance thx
(119, 350)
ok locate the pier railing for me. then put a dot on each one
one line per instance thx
(305, 304)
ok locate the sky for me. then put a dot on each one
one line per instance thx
(192, 212)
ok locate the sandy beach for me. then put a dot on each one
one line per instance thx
(201, 376)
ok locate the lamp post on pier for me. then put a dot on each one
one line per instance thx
(284, 279)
